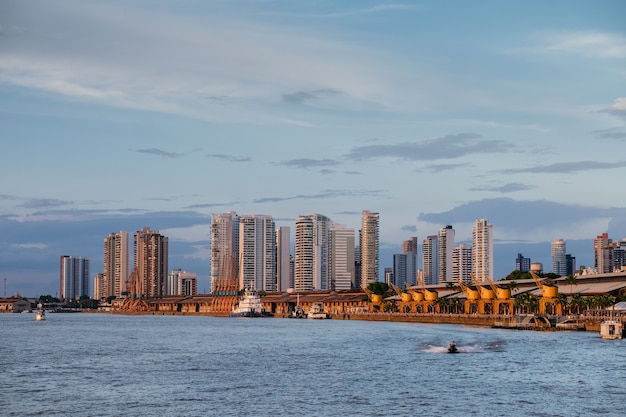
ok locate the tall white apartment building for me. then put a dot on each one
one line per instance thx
(117, 264)
(482, 250)
(224, 247)
(446, 246)
(462, 263)
(430, 259)
(311, 257)
(284, 277)
(74, 277)
(559, 260)
(257, 253)
(369, 247)
(603, 254)
(342, 269)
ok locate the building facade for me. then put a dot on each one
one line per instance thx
(462, 263)
(603, 254)
(521, 263)
(559, 261)
(151, 263)
(311, 253)
(117, 264)
(257, 253)
(409, 248)
(430, 259)
(341, 254)
(482, 250)
(182, 283)
(369, 245)
(224, 248)
(74, 277)
(284, 276)
(446, 246)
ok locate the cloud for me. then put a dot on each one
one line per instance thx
(323, 194)
(617, 109)
(612, 133)
(446, 147)
(306, 163)
(158, 152)
(229, 158)
(505, 188)
(37, 203)
(566, 167)
(326, 171)
(435, 168)
(588, 43)
(300, 97)
(525, 218)
(209, 205)
(30, 245)
(409, 228)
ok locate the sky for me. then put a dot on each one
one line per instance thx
(118, 115)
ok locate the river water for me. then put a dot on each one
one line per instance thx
(114, 365)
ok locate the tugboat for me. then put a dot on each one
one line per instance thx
(613, 328)
(317, 312)
(40, 314)
(249, 305)
(452, 348)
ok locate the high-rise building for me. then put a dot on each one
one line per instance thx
(284, 278)
(570, 261)
(522, 264)
(99, 287)
(224, 250)
(151, 257)
(311, 257)
(257, 253)
(462, 263)
(341, 255)
(482, 250)
(74, 277)
(181, 282)
(603, 253)
(430, 259)
(369, 247)
(116, 264)
(619, 254)
(559, 264)
(446, 246)
(409, 248)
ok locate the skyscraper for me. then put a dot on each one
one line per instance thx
(369, 247)
(409, 248)
(116, 264)
(482, 250)
(559, 263)
(224, 250)
(603, 253)
(151, 256)
(430, 259)
(341, 254)
(284, 279)
(257, 253)
(462, 263)
(74, 277)
(446, 246)
(311, 257)
(181, 282)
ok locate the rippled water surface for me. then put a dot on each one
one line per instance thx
(112, 365)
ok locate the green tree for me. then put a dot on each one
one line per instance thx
(380, 288)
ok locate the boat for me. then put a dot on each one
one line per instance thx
(249, 305)
(298, 312)
(452, 348)
(317, 312)
(40, 314)
(613, 328)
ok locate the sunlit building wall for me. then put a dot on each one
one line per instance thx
(369, 247)
(257, 253)
(482, 250)
(117, 264)
(151, 260)
(224, 247)
(74, 277)
(446, 246)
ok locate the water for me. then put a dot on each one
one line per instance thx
(112, 365)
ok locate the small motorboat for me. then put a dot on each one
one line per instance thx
(452, 348)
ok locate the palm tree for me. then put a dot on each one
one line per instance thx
(571, 280)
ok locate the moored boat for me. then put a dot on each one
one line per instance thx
(317, 312)
(40, 314)
(612, 329)
(249, 305)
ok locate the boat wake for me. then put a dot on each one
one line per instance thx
(469, 348)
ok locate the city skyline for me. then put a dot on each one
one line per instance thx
(117, 115)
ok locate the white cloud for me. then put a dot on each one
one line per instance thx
(588, 43)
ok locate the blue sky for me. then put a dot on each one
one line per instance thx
(122, 114)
